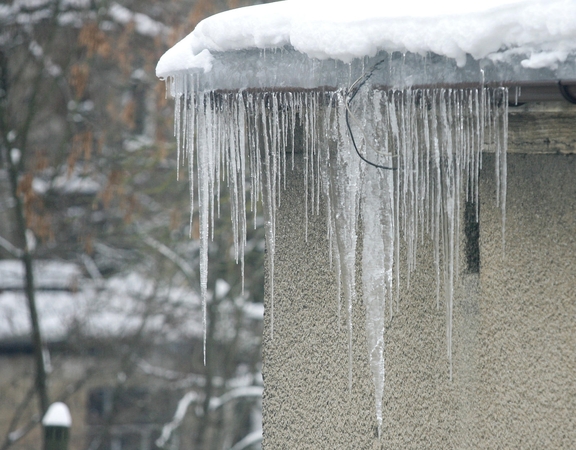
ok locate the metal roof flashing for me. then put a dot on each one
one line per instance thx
(286, 69)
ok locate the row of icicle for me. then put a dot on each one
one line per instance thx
(434, 138)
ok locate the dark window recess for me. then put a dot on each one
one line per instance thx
(472, 237)
(130, 405)
(100, 401)
(139, 90)
(119, 438)
(128, 417)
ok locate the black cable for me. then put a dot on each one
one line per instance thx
(566, 93)
(351, 94)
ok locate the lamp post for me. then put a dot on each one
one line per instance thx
(56, 423)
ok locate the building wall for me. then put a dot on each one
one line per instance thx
(514, 340)
(75, 378)
(17, 375)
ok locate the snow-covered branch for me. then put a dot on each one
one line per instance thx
(180, 262)
(188, 380)
(143, 24)
(37, 52)
(169, 428)
(13, 250)
(92, 269)
(16, 435)
(248, 440)
(183, 380)
(215, 403)
(73, 12)
(242, 392)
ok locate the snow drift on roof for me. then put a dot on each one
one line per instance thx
(542, 31)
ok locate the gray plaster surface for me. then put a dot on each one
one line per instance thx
(514, 344)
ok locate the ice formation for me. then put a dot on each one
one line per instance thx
(395, 103)
(432, 139)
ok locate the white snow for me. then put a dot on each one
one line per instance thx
(104, 307)
(241, 391)
(248, 440)
(168, 429)
(74, 13)
(221, 288)
(143, 23)
(542, 31)
(74, 183)
(58, 415)
(108, 308)
(50, 275)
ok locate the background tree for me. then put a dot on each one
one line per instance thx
(88, 176)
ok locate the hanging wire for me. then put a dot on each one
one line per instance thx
(352, 91)
(566, 93)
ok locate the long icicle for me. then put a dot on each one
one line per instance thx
(437, 152)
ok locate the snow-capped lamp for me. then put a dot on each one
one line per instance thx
(421, 88)
(57, 422)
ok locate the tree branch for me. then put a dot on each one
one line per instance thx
(12, 249)
(168, 253)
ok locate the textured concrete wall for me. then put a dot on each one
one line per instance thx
(527, 324)
(514, 344)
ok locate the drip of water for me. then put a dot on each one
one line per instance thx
(433, 137)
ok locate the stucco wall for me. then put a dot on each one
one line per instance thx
(514, 345)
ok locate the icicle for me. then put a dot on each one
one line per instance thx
(190, 140)
(319, 138)
(330, 195)
(269, 208)
(241, 130)
(204, 173)
(276, 148)
(434, 138)
(306, 160)
(437, 194)
(284, 117)
(373, 284)
(178, 112)
(346, 176)
(377, 257)
(502, 152)
(428, 143)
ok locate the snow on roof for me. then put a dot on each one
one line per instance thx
(533, 34)
(48, 275)
(65, 300)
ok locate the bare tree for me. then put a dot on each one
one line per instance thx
(86, 146)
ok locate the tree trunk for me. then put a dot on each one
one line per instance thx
(26, 257)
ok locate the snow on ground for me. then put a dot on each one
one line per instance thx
(543, 32)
